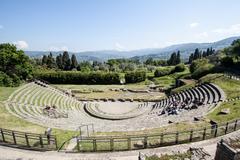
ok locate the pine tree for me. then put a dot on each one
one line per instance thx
(74, 62)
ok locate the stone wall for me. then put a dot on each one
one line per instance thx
(225, 152)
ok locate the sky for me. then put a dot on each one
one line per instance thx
(83, 25)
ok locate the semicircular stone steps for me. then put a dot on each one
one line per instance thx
(29, 100)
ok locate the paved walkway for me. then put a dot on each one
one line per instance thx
(7, 153)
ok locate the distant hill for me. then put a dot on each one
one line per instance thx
(143, 54)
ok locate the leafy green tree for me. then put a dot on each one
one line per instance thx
(235, 48)
(179, 68)
(14, 64)
(201, 67)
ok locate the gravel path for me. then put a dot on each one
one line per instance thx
(7, 153)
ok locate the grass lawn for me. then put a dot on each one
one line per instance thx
(189, 84)
(231, 87)
(234, 112)
(168, 81)
(5, 92)
(180, 156)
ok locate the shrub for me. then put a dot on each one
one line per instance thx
(179, 68)
(5, 80)
(71, 77)
(200, 68)
(134, 77)
(163, 71)
(227, 61)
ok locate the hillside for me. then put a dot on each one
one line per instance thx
(142, 54)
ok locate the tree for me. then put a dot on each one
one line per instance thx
(190, 58)
(44, 60)
(178, 60)
(149, 61)
(59, 61)
(14, 64)
(173, 59)
(196, 54)
(74, 62)
(66, 61)
(235, 48)
(51, 63)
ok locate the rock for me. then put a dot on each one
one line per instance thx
(170, 122)
(197, 118)
(225, 111)
(139, 144)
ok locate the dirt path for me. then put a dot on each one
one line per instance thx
(7, 153)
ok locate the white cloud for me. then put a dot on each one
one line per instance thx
(233, 29)
(64, 48)
(202, 35)
(119, 47)
(194, 25)
(1, 26)
(55, 48)
(21, 44)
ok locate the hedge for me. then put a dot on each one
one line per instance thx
(134, 77)
(75, 77)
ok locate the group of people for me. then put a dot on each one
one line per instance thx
(177, 106)
(51, 111)
(40, 83)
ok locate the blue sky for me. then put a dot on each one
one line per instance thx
(80, 25)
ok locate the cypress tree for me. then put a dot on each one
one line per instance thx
(178, 59)
(59, 61)
(51, 61)
(74, 62)
(44, 60)
(191, 58)
(66, 61)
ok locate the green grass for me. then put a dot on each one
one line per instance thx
(5, 92)
(189, 84)
(179, 156)
(231, 87)
(169, 81)
(234, 112)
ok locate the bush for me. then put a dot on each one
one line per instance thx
(71, 77)
(227, 61)
(200, 68)
(179, 68)
(134, 77)
(5, 80)
(163, 71)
